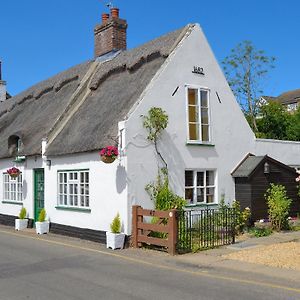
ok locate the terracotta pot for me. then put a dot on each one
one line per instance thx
(107, 159)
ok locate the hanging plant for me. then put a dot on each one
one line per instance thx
(109, 154)
(13, 172)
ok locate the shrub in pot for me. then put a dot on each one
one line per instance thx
(22, 222)
(42, 226)
(115, 239)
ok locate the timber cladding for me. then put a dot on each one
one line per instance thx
(250, 190)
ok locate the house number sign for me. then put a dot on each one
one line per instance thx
(198, 70)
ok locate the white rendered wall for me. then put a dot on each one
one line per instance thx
(231, 135)
(107, 188)
(28, 186)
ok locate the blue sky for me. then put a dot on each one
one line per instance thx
(40, 38)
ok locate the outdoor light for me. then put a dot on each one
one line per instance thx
(48, 162)
(266, 168)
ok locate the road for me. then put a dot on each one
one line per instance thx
(38, 268)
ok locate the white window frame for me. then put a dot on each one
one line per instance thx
(71, 182)
(204, 187)
(199, 88)
(14, 193)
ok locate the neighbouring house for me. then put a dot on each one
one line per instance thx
(290, 100)
(54, 130)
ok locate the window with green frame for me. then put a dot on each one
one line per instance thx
(73, 189)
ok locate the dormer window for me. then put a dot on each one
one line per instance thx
(198, 115)
(14, 145)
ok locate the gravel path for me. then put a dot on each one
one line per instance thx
(283, 255)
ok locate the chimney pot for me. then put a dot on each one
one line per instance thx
(114, 12)
(105, 17)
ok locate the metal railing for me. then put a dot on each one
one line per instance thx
(205, 228)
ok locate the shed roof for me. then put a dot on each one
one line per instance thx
(112, 89)
(247, 166)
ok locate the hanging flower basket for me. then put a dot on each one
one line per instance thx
(13, 172)
(109, 154)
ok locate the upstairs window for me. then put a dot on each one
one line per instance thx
(198, 115)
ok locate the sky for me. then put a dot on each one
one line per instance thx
(41, 38)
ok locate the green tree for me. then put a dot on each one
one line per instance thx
(245, 69)
(293, 130)
(274, 121)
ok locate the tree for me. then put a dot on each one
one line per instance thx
(293, 130)
(273, 122)
(245, 68)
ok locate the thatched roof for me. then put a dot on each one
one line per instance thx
(114, 87)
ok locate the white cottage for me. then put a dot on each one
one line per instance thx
(54, 130)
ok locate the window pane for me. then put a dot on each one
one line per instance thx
(205, 133)
(192, 96)
(87, 177)
(71, 176)
(189, 195)
(210, 195)
(75, 176)
(204, 98)
(204, 115)
(81, 177)
(200, 195)
(200, 178)
(189, 178)
(193, 114)
(210, 178)
(87, 201)
(194, 132)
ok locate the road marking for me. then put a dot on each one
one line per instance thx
(164, 267)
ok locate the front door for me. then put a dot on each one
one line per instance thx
(38, 192)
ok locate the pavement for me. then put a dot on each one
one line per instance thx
(209, 264)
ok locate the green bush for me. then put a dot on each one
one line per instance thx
(279, 206)
(23, 213)
(115, 225)
(42, 215)
(259, 232)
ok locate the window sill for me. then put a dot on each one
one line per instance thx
(201, 205)
(12, 202)
(78, 209)
(191, 143)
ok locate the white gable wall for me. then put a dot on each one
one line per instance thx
(231, 135)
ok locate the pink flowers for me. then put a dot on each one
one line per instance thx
(298, 179)
(13, 172)
(109, 151)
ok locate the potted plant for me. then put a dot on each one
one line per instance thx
(115, 239)
(13, 172)
(109, 154)
(22, 222)
(42, 226)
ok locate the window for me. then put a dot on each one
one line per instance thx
(73, 189)
(198, 115)
(200, 187)
(292, 106)
(12, 190)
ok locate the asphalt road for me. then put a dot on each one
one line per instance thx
(37, 269)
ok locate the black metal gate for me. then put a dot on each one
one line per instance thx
(205, 228)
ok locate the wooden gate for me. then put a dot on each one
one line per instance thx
(165, 223)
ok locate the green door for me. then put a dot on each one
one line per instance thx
(38, 192)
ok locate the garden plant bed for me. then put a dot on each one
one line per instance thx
(281, 255)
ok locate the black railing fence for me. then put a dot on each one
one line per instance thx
(205, 228)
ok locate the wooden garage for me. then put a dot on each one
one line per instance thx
(252, 179)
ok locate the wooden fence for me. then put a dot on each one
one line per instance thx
(162, 223)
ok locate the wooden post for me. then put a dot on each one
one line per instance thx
(134, 226)
(172, 236)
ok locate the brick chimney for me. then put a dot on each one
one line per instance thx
(2, 86)
(111, 34)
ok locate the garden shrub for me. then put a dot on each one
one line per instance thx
(23, 213)
(115, 225)
(278, 206)
(259, 232)
(42, 215)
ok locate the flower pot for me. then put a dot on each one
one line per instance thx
(14, 175)
(115, 240)
(21, 224)
(42, 227)
(107, 159)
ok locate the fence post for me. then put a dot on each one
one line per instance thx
(134, 226)
(173, 228)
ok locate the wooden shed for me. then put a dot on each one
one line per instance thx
(252, 179)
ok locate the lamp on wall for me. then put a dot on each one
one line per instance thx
(48, 162)
(266, 168)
